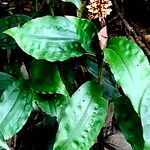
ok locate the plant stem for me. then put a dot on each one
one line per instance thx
(36, 5)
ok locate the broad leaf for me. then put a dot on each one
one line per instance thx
(3, 144)
(53, 106)
(6, 42)
(54, 38)
(5, 80)
(145, 117)
(130, 68)
(129, 122)
(76, 2)
(15, 108)
(82, 119)
(45, 78)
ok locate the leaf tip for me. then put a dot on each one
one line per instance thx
(11, 31)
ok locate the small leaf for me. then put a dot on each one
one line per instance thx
(130, 68)
(45, 37)
(5, 80)
(15, 108)
(45, 78)
(82, 119)
(53, 106)
(76, 2)
(7, 42)
(129, 122)
(145, 117)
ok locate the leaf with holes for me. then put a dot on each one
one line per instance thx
(54, 38)
(82, 119)
(130, 68)
(15, 108)
(45, 78)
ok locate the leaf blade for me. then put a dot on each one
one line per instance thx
(45, 78)
(144, 113)
(5, 80)
(120, 55)
(15, 108)
(45, 37)
(82, 119)
(53, 106)
(129, 122)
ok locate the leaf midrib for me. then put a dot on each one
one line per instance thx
(76, 127)
(119, 57)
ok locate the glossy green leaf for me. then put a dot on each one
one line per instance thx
(6, 42)
(145, 117)
(15, 108)
(45, 78)
(82, 119)
(76, 2)
(54, 38)
(5, 80)
(129, 122)
(130, 68)
(3, 144)
(53, 106)
(85, 30)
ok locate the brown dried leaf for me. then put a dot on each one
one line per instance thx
(147, 37)
(102, 36)
(118, 142)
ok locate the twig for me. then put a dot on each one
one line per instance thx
(131, 30)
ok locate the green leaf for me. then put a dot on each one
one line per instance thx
(5, 80)
(129, 122)
(130, 68)
(82, 119)
(145, 117)
(15, 108)
(6, 42)
(54, 38)
(86, 30)
(45, 78)
(53, 106)
(76, 2)
(3, 144)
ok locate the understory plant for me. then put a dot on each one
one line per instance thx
(67, 77)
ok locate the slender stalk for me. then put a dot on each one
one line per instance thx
(51, 11)
(36, 5)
